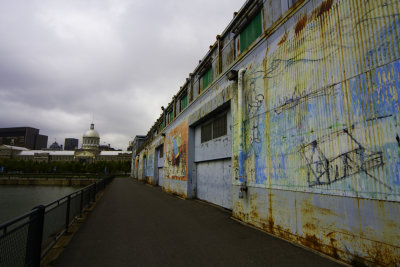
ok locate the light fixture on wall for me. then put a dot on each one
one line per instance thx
(232, 75)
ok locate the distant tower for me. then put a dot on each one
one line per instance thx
(71, 144)
(91, 139)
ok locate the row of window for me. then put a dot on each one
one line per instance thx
(90, 142)
(247, 36)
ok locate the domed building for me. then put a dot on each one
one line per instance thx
(90, 146)
(91, 139)
(55, 146)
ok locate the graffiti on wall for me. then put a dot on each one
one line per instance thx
(149, 165)
(253, 127)
(324, 168)
(175, 147)
(324, 115)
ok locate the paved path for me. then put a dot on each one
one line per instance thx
(134, 224)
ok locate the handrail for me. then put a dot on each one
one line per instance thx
(35, 232)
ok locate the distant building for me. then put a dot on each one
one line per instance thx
(134, 147)
(27, 137)
(91, 139)
(55, 146)
(90, 152)
(7, 152)
(71, 144)
(90, 146)
(106, 148)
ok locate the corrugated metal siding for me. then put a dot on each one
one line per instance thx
(321, 152)
(332, 108)
(321, 131)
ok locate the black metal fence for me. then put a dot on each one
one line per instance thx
(25, 240)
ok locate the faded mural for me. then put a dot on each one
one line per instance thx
(149, 171)
(321, 111)
(176, 147)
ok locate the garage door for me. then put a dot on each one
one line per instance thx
(214, 182)
(160, 176)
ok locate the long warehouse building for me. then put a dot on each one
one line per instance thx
(291, 120)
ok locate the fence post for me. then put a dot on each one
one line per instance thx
(92, 194)
(81, 207)
(35, 235)
(67, 215)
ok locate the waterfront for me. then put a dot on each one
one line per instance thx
(18, 199)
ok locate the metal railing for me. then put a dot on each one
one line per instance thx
(25, 240)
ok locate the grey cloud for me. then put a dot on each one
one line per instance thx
(62, 61)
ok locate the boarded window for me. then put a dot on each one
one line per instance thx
(206, 132)
(251, 32)
(206, 79)
(219, 126)
(184, 102)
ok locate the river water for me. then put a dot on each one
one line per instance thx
(16, 200)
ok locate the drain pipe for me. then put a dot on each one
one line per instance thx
(242, 180)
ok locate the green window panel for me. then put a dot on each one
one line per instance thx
(162, 125)
(251, 32)
(171, 116)
(206, 79)
(184, 102)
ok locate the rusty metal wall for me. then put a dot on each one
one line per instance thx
(321, 155)
(322, 109)
(321, 146)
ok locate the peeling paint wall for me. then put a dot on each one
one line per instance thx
(321, 112)
(332, 98)
(321, 136)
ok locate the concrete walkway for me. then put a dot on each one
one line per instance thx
(134, 224)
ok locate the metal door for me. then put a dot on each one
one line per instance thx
(214, 182)
(160, 176)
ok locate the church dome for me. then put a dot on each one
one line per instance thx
(55, 146)
(91, 132)
(91, 139)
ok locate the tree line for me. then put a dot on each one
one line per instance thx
(8, 166)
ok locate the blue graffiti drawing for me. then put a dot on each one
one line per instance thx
(324, 170)
(254, 107)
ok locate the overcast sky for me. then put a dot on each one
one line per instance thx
(65, 62)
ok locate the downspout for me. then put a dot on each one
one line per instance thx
(242, 180)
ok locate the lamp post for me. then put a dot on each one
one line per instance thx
(11, 147)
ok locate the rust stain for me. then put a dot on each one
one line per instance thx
(323, 8)
(283, 39)
(333, 242)
(270, 216)
(300, 24)
(310, 226)
(312, 241)
(172, 192)
(284, 233)
(239, 212)
(380, 254)
(254, 214)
